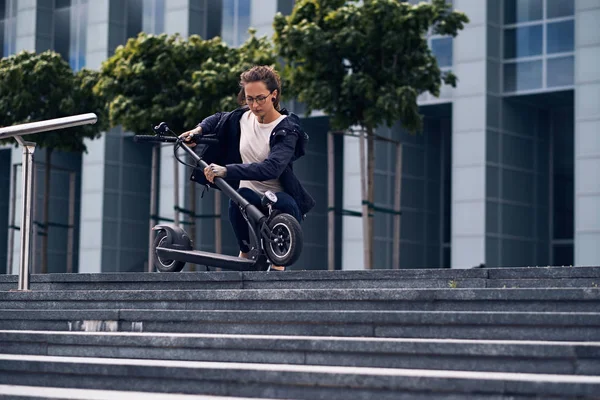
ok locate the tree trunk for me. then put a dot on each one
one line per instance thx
(46, 230)
(370, 190)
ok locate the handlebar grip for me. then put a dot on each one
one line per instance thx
(154, 139)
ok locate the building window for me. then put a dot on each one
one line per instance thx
(516, 11)
(539, 43)
(9, 25)
(235, 22)
(79, 18)
(441, 47)
(62, 28)
(153, 20)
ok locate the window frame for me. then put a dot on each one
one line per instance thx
(544, 56)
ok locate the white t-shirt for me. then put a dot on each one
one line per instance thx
(254, 147)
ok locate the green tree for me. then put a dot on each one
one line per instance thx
(180, 81)
(364, 63)
(35, 87)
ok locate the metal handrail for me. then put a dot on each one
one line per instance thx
(48, 125)
(17, 131)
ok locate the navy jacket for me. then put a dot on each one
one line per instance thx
(287, 142)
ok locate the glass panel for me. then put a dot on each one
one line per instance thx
(522, 11)
(62, 27)
(62, 4)
(2, 10)
(78, 32)
(560, 71)
(147, 16)
(442, 50)
(243, 21)
(227, 21)
(560, 37)
(159, 17)
(134, 17)
(83, 17)
(10, 28)
(525, 75)
(523, 42)
(560, 8)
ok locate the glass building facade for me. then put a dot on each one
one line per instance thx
(505, 172)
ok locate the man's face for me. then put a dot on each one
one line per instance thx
(258, 98)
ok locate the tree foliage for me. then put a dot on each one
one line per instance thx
(364, 62)
(169, 78)
(35, 87)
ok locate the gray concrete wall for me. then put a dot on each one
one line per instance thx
(587, 139)
(470, 123)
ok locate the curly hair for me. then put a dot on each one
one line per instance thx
(264, 74)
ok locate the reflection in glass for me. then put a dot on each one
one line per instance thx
(10, 28)
(560, 8)
(243, 22)
(78, 32)
(560, 71)
(560, 37)
(227, 24)
(153, 16)
(235, 21)
(522, 11)
(523, 42)
(524, 75)
(442, 50)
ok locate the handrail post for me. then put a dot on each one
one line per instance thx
(27, 205)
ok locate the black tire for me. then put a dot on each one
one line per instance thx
(287, 251)
(160, 264)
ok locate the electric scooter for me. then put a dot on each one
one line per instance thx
(275, 237)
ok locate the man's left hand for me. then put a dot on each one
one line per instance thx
(215, 171)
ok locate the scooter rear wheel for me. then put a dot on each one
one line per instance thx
(286, 242)
(164, 265)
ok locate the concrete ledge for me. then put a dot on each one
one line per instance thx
(409, 324)
(434, 278)
(289, 381)
(449, 354)
(539, 300)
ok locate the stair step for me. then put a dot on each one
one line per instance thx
(539, 300)
(410, 324)
(279, 380)
(40, 392)
(314, 279)
(581, 358)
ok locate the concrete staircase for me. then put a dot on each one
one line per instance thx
(517, 333)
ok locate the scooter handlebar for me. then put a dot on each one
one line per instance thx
(154, 139)
(171, 139)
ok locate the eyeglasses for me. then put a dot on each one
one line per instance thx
(260, 100)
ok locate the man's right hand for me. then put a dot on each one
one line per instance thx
(189, 135)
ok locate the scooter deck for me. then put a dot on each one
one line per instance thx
(206, 258)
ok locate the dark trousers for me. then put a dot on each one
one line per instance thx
(285, 203)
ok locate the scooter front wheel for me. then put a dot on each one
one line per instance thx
(285, 245)
(164, 265)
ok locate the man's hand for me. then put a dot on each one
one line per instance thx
(187, 136)
(215, 171)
